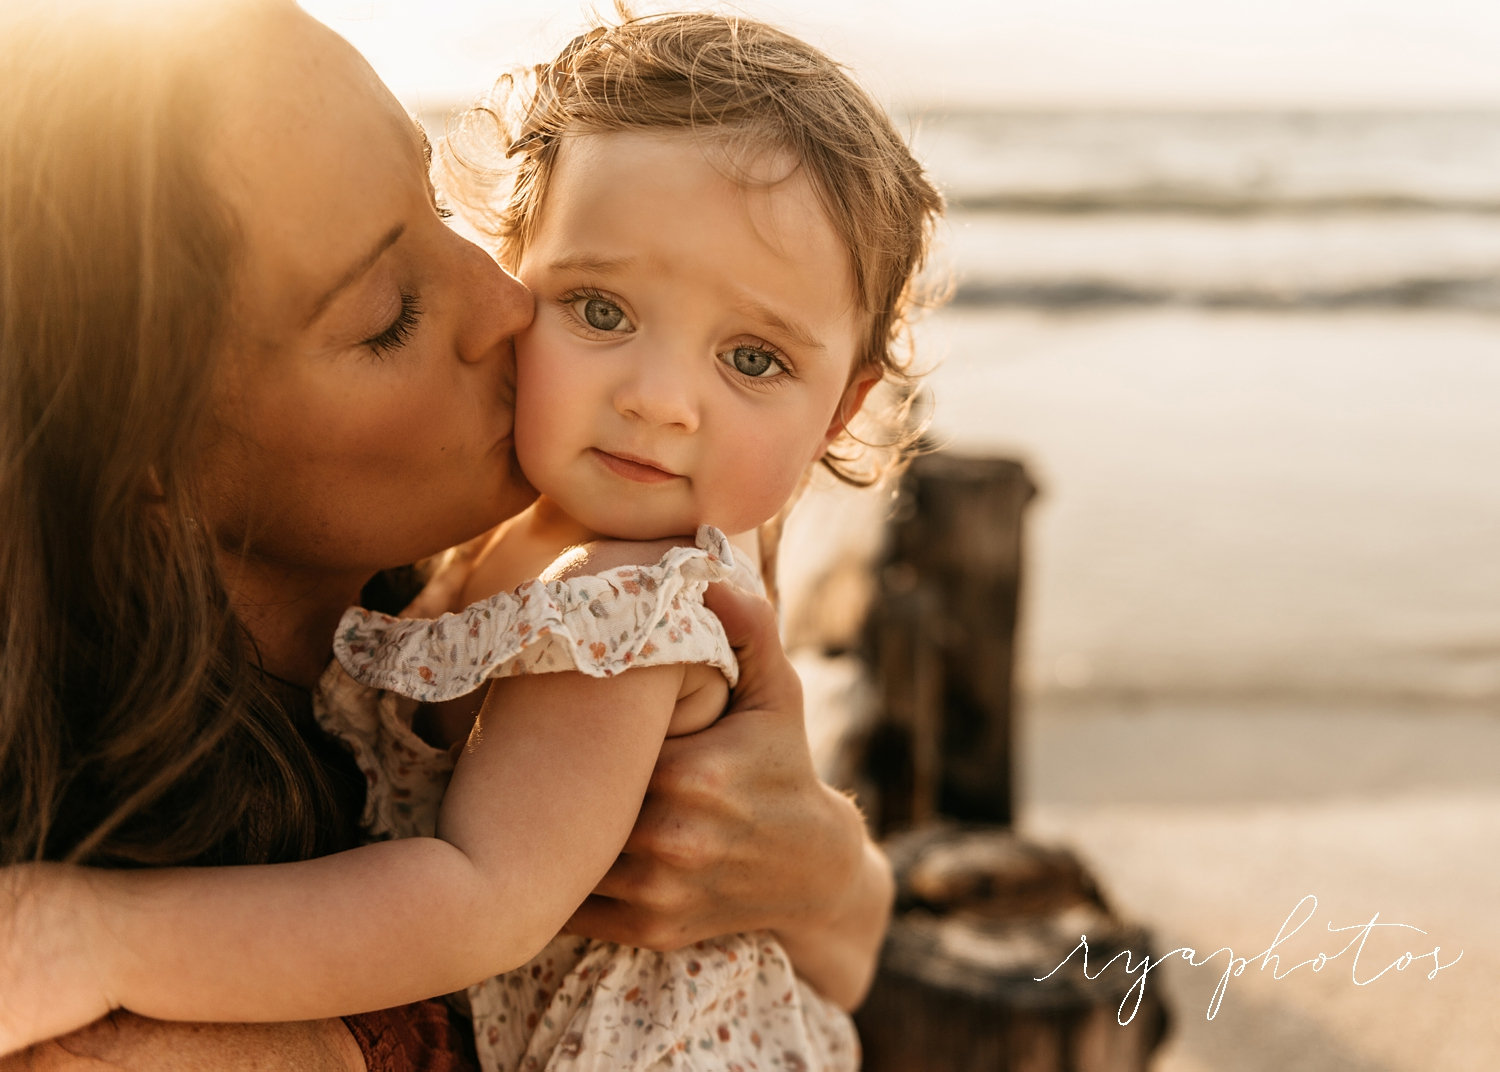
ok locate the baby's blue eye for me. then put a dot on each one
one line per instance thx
(752, 361)
(602, 315)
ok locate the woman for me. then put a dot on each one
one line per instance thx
(245, 367)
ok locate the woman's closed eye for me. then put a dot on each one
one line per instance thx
(396, 334)
(597, 312)
(759, 362)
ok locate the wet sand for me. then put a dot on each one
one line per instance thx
(1244, 504)
(1210, 824)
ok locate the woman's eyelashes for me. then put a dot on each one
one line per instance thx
(399, 331)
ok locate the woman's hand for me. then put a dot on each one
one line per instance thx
(50, 983)
(738, 834)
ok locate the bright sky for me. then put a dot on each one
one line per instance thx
(1173, 53)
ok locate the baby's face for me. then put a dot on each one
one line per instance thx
(693, 339)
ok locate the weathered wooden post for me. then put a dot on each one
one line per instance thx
(942, 638)
(981, 913)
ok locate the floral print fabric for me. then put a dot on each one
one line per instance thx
(733, 1003)
(600, 626)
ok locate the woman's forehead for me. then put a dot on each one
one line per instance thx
(316, 159)
(289, 72)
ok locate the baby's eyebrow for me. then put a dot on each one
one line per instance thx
(789, 328)
(585, 262)
(425, 140)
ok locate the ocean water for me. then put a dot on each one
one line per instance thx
(1253, 362)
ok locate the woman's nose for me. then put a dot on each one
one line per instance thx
(496, 306)
(659, 390)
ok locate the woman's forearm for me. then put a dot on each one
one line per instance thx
(127, 1043)
(837, 949)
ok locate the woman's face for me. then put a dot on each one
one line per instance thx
(363, 408)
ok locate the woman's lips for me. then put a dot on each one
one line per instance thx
(636, 469)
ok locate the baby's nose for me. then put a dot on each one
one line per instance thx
(660, 392)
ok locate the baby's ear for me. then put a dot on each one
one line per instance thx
(849, 405)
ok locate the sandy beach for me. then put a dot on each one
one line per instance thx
(1260, 650)
(1211, 824)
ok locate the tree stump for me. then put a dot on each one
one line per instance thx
(981, 915)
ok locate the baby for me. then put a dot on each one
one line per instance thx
(722, 233)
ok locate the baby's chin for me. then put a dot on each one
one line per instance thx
(624, 527)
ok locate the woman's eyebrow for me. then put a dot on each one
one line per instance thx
(357, 269)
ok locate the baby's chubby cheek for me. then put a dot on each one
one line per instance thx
(528, 410)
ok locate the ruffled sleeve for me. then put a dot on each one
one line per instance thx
(600, 625)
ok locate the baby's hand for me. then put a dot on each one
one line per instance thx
(49, 984)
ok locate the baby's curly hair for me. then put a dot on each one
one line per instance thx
(728, 78)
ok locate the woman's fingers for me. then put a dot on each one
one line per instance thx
(767, 679)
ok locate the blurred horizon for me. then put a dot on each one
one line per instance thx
(1025, 54)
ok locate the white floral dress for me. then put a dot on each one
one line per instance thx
(732, 1003)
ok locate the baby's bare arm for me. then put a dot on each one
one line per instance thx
(700, 702)
(540, 805)
(555, 760)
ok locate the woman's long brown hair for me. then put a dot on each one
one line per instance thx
(134, 727)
